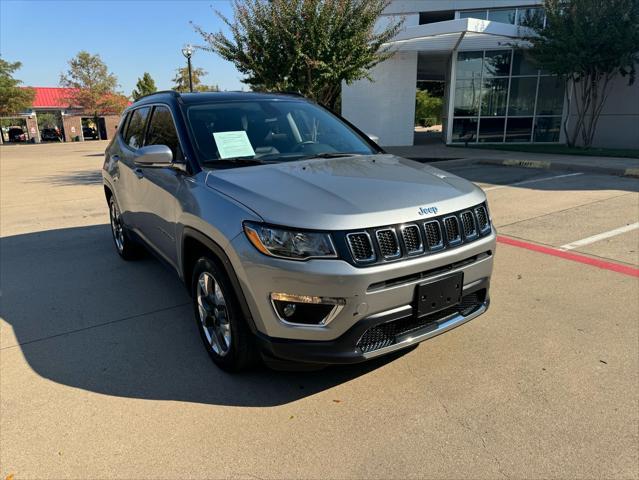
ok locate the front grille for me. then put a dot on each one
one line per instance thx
(468, 224)
(361, 246)
(388, 334)
(388, 244)
(451, 225)
(482, 218)
(433, 235)
(393, 242)
(412, 239)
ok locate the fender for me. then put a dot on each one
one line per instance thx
(226, 265)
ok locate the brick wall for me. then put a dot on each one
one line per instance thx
(72, 127)
(33, 133)
(111, 123)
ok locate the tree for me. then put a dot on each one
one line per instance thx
(306, 46)
(13, 98)
(181, 80)
(92, 86)
(587, 43)
(145, 86)
(428, 109)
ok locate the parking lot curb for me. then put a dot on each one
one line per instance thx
(553, 165)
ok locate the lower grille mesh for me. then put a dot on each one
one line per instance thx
(386, 334)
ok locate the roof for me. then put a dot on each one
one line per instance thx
(460, 34)
(213, 97)
(51, 97)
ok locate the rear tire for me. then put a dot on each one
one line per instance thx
(126, 248)
(224, 331)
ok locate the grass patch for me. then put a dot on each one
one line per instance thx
(561, 150)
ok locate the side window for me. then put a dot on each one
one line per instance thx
(123, 124)
(135, 131)
(162, 131)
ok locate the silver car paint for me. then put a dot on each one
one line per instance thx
(324, 194)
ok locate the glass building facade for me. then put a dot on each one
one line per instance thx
(501, 96)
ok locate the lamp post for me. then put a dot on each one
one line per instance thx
(187, 51)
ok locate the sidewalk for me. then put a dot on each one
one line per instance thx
(440, 152)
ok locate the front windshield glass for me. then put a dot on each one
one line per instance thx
(270, 131)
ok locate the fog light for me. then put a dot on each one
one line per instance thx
(289, 309)
(306, 309)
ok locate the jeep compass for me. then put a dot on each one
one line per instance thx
(298, 238)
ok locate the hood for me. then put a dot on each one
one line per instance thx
(345, 193)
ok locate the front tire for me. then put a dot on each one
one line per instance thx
(224, 331)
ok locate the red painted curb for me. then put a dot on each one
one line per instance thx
(575, 257)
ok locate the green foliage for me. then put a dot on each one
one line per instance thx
(144, 86)
(587, 43)
(305, 46)
(13, 98)
(428, 109)
(181, 80)
(93, 85)
(48, 120)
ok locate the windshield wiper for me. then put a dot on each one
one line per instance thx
(330, 155)
(235, 161)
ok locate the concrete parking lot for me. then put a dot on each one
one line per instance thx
(103, 374)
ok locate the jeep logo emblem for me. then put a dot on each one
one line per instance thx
(427, 210)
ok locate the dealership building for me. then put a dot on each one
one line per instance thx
(493, 91)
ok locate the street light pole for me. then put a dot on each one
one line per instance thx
(187, 51)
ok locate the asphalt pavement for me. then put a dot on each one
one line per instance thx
(102, 374)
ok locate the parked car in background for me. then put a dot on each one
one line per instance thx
(50, 135)
(89, 133)
(298, 238)
(16, 134)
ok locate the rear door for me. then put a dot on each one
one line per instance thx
(129, 173)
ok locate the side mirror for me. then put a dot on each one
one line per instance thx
(154, 156)
(374, 138)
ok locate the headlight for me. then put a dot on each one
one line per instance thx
(291, 244)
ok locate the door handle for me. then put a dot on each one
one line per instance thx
(115, 158)
(138, 172)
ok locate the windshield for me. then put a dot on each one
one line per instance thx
(261, 131)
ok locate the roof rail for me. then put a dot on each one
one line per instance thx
(173, 92)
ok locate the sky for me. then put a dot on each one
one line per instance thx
(132, 37)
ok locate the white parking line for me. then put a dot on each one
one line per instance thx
(600, 236)
(526, 182)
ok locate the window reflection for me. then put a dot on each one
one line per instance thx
(518, 129)
(467, 97)
(497, 63)
(503, 16)
(464, 130)
(494, 96)
(547, 129)
(469, 64)
(551, 96)
(522, 96)
(491, 129)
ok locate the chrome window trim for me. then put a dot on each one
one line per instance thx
(420, 250)
(440, 245)
(398, 252)
(373, 256)
(458, 240)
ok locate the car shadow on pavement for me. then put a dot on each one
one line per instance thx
(83, 317)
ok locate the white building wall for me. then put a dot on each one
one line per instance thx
(618, 125)
(385, 107)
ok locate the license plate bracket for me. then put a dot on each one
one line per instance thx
(439, 294)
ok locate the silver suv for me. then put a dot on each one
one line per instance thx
(298, 238)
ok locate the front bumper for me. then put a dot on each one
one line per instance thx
(348, 347)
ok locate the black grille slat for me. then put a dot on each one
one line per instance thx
(387, 242)
(375, 245)
(482, 218)
(451, 225)
(361, 247)
(433, 235)
(412, 239)
(387, 334)
(468, 225)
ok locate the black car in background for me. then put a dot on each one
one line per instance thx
(50, 135)
(16, 134)
(89, 133)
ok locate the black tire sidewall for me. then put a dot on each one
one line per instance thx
(130, 250)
